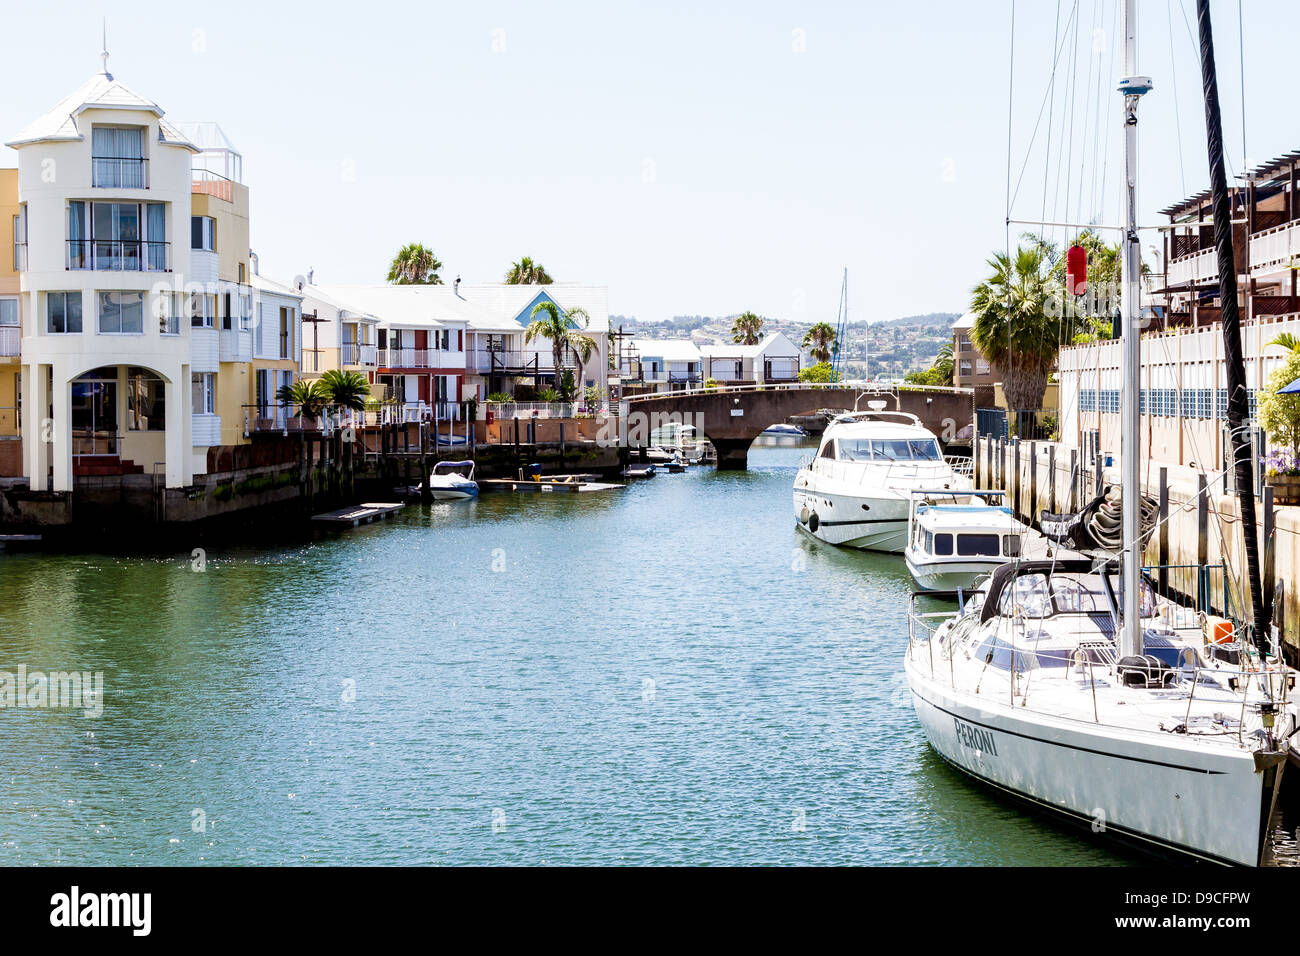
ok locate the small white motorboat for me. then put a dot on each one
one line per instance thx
(951, 545)
(446, 483)
(785, 428)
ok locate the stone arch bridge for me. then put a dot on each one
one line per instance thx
(732, 417)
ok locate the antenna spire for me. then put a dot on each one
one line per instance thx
(103, 54)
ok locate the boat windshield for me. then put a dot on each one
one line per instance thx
(889, 449)
(1034, 597)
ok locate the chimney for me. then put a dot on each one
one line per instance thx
(311, 276)
(456, 286)
(253, 257)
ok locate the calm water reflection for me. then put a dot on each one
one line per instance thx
(665, 674)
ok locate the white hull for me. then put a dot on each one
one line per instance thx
(451, 494)
(949, 575)
(853, 521)
(1152, 789)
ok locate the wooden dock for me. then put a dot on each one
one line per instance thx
(359, 514)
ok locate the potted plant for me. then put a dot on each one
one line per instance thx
(1282, 471)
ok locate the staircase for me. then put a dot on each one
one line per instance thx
(105, 466)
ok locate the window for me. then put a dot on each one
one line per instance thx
(117, 157)
(169, 307)
(1011, 545)
(63, 313)
(8, 311)
(203, 233)
(203, 311)
(20, 241)
(828, 450)
(943, 544)
(117, 235)
(971, 545)
(203, 390)
(286, 333)
(245, 313)
(146, 406)
(121, 313)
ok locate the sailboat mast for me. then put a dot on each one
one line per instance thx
(1234, 363)
(1133, 87)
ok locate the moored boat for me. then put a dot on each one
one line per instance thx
(856, 491)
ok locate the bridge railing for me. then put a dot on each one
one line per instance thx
(863, 388)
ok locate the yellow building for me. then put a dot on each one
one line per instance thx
(257, 328)
(12, 249)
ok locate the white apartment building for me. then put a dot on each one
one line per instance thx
(775, 359)
(663, 364)
(104, 184)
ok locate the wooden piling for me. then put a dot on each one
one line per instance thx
(1202, 541)
(1162, 550)
(1268, 584)
(1051, 477)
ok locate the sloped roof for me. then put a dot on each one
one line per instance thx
(670, 350)
(101, 92)
(967, 321)
(492, 307)
(263, 284)
(748, 351)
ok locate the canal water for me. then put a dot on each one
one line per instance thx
(665, 674)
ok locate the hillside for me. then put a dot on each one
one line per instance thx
(894, 347)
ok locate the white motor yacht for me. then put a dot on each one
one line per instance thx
(856, 492)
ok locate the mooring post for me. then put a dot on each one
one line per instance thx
(1074, 480)
(1033, 479)
(1268, 584)
(1203, 541)
(1162, 553)
(1051, 480)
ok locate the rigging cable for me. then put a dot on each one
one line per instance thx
(1051, 92)
(1178, 126)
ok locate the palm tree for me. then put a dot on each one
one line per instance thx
(527, 272)
(943, 364)
(414, 264)
(1019, 323)
(1287, 341)
(565, 333)
(820, 341)
(747, 329)
(346, 389)
(308, 395)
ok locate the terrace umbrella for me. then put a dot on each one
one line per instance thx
(1291, 389)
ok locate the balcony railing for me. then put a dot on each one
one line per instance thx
(353, 354)
(112, 172)
(418, 358)
(207, 183)
(511, 359)
(10, 339)
(119, 255)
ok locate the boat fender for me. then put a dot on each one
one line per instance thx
(803, 516)
(813, 521)
(1144, 671)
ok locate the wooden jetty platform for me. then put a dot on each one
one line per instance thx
(359, 514)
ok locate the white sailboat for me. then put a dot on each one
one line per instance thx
(1068, 685)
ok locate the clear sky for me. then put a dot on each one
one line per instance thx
(695, 158)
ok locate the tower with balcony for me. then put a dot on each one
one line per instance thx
(104, 193)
